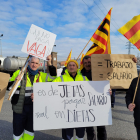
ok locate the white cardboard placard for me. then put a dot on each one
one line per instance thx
(39, 42)
(71, 104)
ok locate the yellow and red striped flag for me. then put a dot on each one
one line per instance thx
(69, 58)
(131, 30)
(101, 38)
(81, 62)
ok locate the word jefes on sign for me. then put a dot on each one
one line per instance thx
(119, 69)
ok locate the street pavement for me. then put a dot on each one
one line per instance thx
(121, 129)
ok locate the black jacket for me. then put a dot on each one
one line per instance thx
(63, 71)
(129, 98)
(86, 73)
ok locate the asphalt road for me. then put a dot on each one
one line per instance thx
(121, 129)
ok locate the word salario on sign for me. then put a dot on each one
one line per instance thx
(119, 69)
(119, 65)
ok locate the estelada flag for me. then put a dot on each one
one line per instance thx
(81, 62)
(131, 30)
(69, 58)
(101, 38)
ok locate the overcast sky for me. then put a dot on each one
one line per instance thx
(73, 21)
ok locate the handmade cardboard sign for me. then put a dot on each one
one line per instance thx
(71, 104)
(39, 42)
(4, 79)
(118, 68)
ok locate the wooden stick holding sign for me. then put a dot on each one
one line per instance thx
(136, 89)
(83, 50)
(17, 82)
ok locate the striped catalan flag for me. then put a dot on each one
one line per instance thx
(94, 49)
(131, 30)
(69, 58)
(101, 38)
(81, 62)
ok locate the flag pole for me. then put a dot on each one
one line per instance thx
(69, 56)
(136, 89)
(82, 50)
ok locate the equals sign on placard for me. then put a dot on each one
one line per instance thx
(101, 75)
(100, 64)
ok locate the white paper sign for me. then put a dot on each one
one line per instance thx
(39, 42)
(59, 71)
(71, 104)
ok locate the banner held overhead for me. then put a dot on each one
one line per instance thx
(39, 42)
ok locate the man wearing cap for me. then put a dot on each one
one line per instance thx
(21, 101)
(71, 74)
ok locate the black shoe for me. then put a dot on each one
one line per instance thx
(112, 106)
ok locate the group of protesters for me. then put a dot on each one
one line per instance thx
(22, 100)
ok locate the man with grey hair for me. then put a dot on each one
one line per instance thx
(22, 104)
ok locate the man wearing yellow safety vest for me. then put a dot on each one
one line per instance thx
(72, 74)
(22, 104)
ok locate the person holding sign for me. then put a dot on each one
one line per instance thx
(102, 135)
(101, 130)
(22, 104)
(72, 74)
(134, 105)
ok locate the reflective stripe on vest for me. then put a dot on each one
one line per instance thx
(77, 138)
(49, 76)
(28, 94)
(14, 84)
(18, 137)
(29, 133)
(16, 92)
(84, 78)
(28, 91)
(62, 78)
